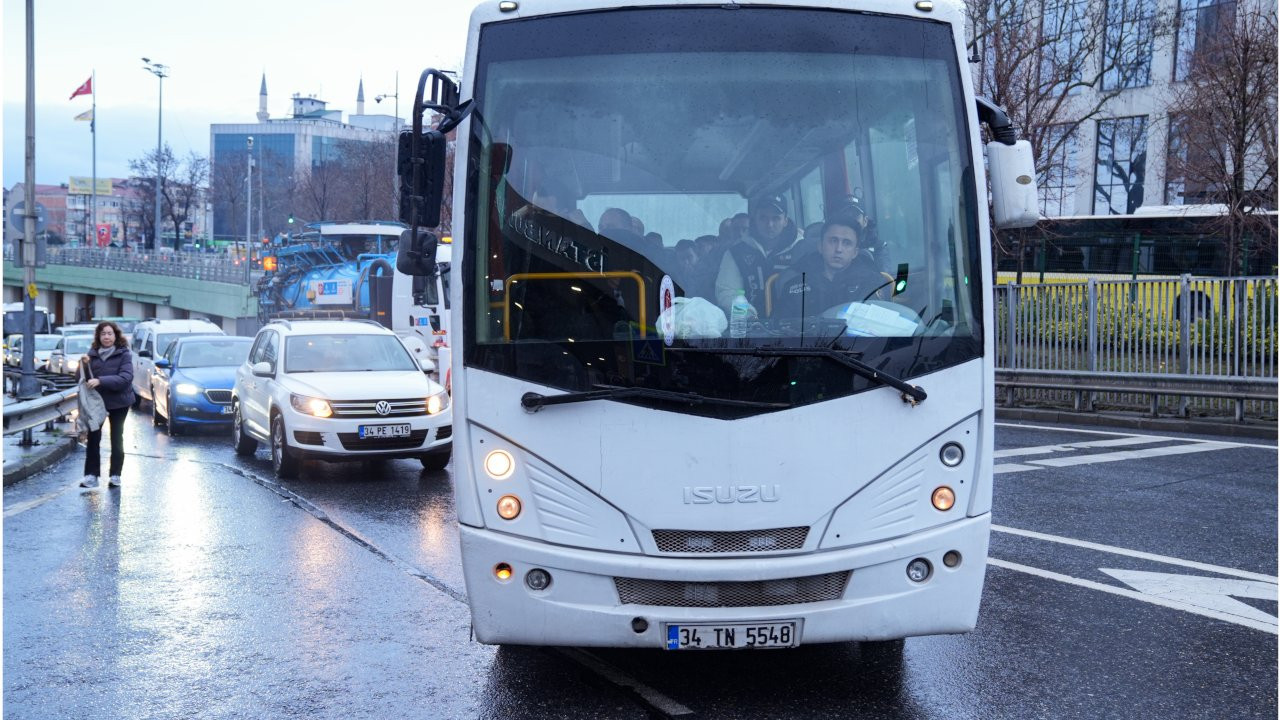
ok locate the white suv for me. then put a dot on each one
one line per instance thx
(338, 390)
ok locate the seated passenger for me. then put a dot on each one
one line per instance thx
(837, 274)
(769, 247)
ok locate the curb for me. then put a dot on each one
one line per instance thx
(1223, 428)
(35, 463)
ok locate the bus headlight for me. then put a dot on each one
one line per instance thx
(186, 388)
(499, 464)
(311, 406)
(508, 507)
(437, 403)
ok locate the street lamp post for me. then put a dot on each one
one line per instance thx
(248, 206)
(395, 95)
(161, 72)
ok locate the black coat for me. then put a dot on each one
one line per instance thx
(115, 377)
(806, 283)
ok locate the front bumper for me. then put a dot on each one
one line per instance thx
(338, 438)
(582, 606)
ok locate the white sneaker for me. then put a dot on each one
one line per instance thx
(114, 481)
(89, 481)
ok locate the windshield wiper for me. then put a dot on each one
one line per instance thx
(913, 394)
(533, 401)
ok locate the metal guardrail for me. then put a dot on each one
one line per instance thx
(30, 414)
(220, 268)
(1152, 385)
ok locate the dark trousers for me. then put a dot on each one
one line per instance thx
(92, 461)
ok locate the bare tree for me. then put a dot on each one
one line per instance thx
(183, 192)
(1054, 65)
(146, 169)
(227, 189)
(1223, 130)
(371, 167)
(321, 191)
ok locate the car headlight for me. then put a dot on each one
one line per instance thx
(437, 403)
(186, 388)
(310, 405)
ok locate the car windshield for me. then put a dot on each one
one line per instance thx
(642, 176)
(213, 353)
(77, 344)
(345, 353)
(47, 342)
(163, 341)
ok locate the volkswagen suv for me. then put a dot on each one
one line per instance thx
(338, 390)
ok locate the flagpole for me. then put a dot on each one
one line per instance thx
(93, 132)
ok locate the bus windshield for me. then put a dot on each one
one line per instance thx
(651, 185)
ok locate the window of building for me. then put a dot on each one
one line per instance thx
(1057, 182)
(1063, 27)
(1120, 165)
(1199, 22)
(1126, 55)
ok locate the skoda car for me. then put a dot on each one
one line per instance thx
(338, 390)
(191, 383)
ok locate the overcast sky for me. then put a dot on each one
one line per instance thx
(216, 53)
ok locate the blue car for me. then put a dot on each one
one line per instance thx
(191, 384)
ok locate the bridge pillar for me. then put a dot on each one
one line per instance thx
(101, 306)
(164, 312)
(67, 312)
(12, 293)
(133, 309)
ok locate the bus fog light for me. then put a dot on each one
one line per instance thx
(951, 559)
(508, 507)
(639, 625)
(537, 579)
(499, 464)
(918, 570)
(944, 498)
(951, 454)
(502, 571)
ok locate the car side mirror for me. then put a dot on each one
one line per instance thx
(417, 257)
(55, 352)
(427, 364)
(263, 369)
(144, 353)
(162, 364)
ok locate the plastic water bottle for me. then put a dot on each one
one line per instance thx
(739, 316)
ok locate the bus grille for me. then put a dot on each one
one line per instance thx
(737, 541)
(788, 591)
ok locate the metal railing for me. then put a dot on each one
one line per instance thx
(1204, 329)
(220, 268)
(27, 415)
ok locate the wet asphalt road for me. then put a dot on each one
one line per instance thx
(1130, 577)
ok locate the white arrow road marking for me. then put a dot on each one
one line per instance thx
(1192, 447)
(1268, 626)
(1150, 438)
(1206, 567)
(1207, 593)
(1067, 447)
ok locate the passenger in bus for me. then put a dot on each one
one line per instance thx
(771, 246)
(837, 274)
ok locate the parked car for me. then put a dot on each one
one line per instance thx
(151, 339)
(338, 390)
(67, 354)
(192, 383)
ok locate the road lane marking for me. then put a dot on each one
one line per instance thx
(1136, 554)
(1067, 447)
(34, 503)
(1130, 454)
(1152, 438)
(1269, 627)
(1209, 593)
(655, 699)
(1013, 467)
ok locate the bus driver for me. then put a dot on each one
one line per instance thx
(837, 274)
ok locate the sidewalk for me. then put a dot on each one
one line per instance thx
(49, 447)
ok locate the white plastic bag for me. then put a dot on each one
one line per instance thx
(694, 318)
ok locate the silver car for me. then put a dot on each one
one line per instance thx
(66, 356)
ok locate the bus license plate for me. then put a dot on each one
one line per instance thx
(733, 635)
(384, 431)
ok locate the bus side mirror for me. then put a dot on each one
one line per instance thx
(1014, 200)
(421, 177)
(416, 259)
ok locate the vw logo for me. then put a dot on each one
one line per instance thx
(382, 407)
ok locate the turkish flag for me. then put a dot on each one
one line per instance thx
(104, 235)
(84, 89)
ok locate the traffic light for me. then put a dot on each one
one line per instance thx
(290, 218)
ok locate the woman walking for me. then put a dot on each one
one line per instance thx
(109, 367)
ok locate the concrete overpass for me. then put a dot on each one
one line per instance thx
(80, 283)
